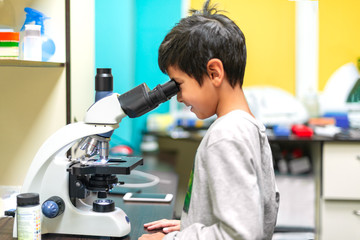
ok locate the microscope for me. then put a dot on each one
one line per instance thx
(73, 190)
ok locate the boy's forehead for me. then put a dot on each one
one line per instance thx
(174, 70)
(179, 75)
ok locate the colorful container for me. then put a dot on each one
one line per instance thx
(9, 45)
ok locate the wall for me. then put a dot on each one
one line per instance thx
(114, 48)
(128, 42)
(339, 36)
(127, 36)
(269, 29)
(154, 19)
(82, 55)
(32, 103)
(32, 99)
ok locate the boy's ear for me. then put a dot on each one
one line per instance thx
(215, 71)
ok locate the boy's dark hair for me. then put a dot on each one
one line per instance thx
(200, 37)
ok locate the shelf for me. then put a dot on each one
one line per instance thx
(24, 63)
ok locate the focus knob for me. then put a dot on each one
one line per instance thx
(53, 207)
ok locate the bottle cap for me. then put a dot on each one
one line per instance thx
(36, 16)
(26, 199)
(32, 30)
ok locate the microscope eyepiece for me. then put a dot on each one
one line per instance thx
(141, 100)
(103, 79)
(162, 93)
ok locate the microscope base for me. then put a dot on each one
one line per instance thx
(48, 175)
(112, 224)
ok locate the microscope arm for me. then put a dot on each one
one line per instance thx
(106, 111)
(56, 146)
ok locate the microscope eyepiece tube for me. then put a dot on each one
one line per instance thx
(141, 100)
(103, 79)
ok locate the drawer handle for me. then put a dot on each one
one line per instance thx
(357, 212)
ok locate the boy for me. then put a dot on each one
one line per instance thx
(232, 192)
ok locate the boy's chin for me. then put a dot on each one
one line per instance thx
(202, 117)
(199, 116)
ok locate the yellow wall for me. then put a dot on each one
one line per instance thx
(339, 36)
(32, 103)
(269, 28)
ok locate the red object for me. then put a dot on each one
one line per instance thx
(297, 153)
(301, 130)
(122, 150)
(9, 36)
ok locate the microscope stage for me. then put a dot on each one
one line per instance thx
(121, 165)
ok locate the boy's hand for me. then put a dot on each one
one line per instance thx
(165, 225)
(153, 236)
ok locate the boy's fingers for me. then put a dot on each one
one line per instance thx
(149, 224)
(154, 222)
(171, 229)
(158, 225)
(163, 224)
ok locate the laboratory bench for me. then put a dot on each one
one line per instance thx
(335, 176)
(138, 213)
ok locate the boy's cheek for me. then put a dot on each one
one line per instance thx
(179, 96)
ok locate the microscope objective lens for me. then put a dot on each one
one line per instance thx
(83, 160)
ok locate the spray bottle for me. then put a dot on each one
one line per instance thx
(48, 45)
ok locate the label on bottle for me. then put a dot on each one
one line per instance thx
(28, 223)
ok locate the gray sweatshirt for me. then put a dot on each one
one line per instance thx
(232, 192)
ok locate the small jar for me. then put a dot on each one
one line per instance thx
(28, 216)
(32, 43)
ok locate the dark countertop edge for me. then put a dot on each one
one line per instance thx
(292, 138)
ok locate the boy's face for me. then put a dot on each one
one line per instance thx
(202, 99)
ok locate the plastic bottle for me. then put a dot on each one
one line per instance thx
(48, 45)
(28, 216)
(32, 43)
(311, 103)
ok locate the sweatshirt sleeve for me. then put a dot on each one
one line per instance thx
(234, 193)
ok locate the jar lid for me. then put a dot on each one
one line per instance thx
(25, 199)
(32, 30)
(9, 36)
